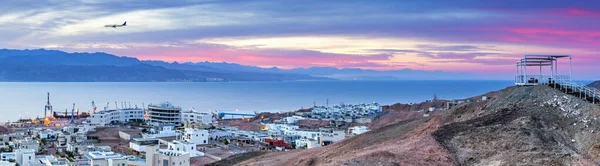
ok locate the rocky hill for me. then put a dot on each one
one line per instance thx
(516, 126)
(595, 84)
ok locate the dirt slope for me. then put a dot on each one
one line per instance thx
(517, 126)
(407, 142)
(524, 126)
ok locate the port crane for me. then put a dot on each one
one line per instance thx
(48, 107)
(107, 103)
(94, 106)
(73, 114)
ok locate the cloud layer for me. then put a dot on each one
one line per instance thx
(461, 35)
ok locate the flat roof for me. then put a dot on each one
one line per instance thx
(102, 155)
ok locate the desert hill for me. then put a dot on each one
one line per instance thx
(517, 126)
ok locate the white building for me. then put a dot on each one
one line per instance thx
(140, 144)
(331, 136)
(161, 157)
(23, 157)
(98, 158)
(192, 117)
(307, 143)
(49, 134)
(293, 119)
(6, 163)
(181, 146)
(7, 156)
(164, 113)
(104, 117)
(356, 130)
(195, 136)
(27, 144)
(161, 131)
(51, 161)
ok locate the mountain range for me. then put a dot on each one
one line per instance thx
(41, 65)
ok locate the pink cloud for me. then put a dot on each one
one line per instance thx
(580, 12)
(266, 57)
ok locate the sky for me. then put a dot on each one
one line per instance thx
(471, 36)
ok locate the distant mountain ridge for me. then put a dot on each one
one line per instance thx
(595, 84)
(42, 65)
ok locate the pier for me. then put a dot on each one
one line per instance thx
(553, 79)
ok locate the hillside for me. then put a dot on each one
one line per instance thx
(595, 84)
(516, 126)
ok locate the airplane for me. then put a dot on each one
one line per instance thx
(115, 25)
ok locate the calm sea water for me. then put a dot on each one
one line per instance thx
(27, 100)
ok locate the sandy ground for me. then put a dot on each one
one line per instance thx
(109, 136)
(203, 160)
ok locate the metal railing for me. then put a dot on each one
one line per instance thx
(538, 79)
(583, 90)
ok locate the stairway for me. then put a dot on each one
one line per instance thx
(586, 93)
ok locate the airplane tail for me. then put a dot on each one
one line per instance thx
(125, 23)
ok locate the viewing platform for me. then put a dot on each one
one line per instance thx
(562, 82)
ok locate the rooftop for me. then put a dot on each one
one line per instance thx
(171, 152)
(165, 105)
(96, 155)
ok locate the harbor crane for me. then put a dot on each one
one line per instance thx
(48, 107)
(73, 114)
(107, 103)
(94, 106)
(116, 105)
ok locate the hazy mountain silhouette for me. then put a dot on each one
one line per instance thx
(54, 65)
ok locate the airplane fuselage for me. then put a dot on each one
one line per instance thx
(116, 25)
(113, 26)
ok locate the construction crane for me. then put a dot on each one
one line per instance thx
(48, 107)
(73, 114)
(94, 107)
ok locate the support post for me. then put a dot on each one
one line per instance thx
(541, 77)
(525, 70)
(570, 68)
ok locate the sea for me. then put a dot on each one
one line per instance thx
(27, 99)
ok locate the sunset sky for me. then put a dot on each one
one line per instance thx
(471, 36)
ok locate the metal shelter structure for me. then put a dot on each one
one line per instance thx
(562, 82)
(541, 61)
